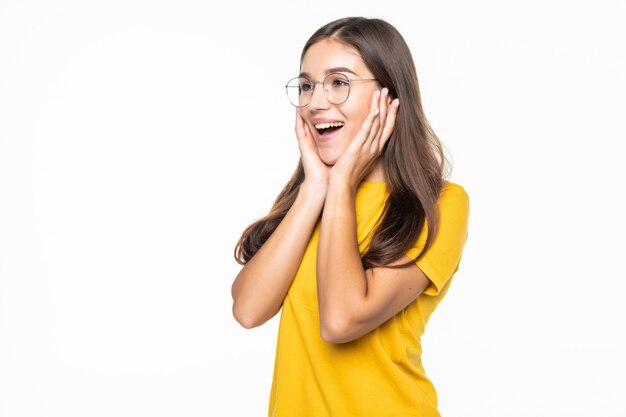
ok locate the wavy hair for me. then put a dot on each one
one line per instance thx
(413, 159)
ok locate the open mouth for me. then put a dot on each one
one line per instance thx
(326, 128)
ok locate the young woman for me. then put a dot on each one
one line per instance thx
(362, 243)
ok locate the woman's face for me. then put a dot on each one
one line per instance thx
(322, 58)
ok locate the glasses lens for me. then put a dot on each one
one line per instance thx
(299, 91)
(337, 88)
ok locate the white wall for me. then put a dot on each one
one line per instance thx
(139, 138)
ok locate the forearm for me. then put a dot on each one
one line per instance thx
(260, 287)
(341, 280)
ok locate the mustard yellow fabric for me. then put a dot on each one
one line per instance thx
(379, 374)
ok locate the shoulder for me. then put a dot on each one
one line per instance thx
(453, 217)
(442, 259)
(452, 188)
(453, 196)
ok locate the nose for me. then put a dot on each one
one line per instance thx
(318, 97)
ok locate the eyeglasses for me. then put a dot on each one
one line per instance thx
(336, 86)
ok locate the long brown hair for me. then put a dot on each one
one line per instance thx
(413, 159)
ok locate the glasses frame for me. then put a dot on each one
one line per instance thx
(326, 92)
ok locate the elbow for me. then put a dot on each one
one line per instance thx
(246, 318)
(247, 323)
(336, 331)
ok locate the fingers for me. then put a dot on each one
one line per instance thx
(303, 133)
(380, 103)
(383, 113)
(390, 122)
(300, 127)
(370, 126)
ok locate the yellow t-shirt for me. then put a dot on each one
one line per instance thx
(379, 374)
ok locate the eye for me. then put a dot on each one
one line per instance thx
(337, 82)
(306, 86)
(340, 82)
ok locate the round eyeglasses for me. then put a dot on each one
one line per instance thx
(336, 87)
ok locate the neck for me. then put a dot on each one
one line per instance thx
(376, 174)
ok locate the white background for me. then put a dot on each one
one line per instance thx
(139, 138)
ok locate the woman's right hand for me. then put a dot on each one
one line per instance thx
(316, 172)
(262, 284)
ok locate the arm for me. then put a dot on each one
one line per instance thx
(260, 287)
(357, 301)
(353, 301)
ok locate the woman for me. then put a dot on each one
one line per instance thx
(362, 243)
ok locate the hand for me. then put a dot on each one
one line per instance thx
(316, 172)
(363, 152)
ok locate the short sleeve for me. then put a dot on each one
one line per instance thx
(442, 260)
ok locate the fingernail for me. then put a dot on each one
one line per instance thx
(378, 94)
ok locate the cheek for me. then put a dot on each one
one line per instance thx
(350, 133)
(356, 121)
(359, 112)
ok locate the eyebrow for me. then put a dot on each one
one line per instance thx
(330, 71)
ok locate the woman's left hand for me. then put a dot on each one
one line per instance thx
(363, 152)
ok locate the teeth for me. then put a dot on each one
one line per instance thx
(327, 125)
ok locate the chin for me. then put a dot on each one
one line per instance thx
(330, 154)
(328, 157)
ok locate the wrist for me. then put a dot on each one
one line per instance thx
(313, 191)
(341, 186)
